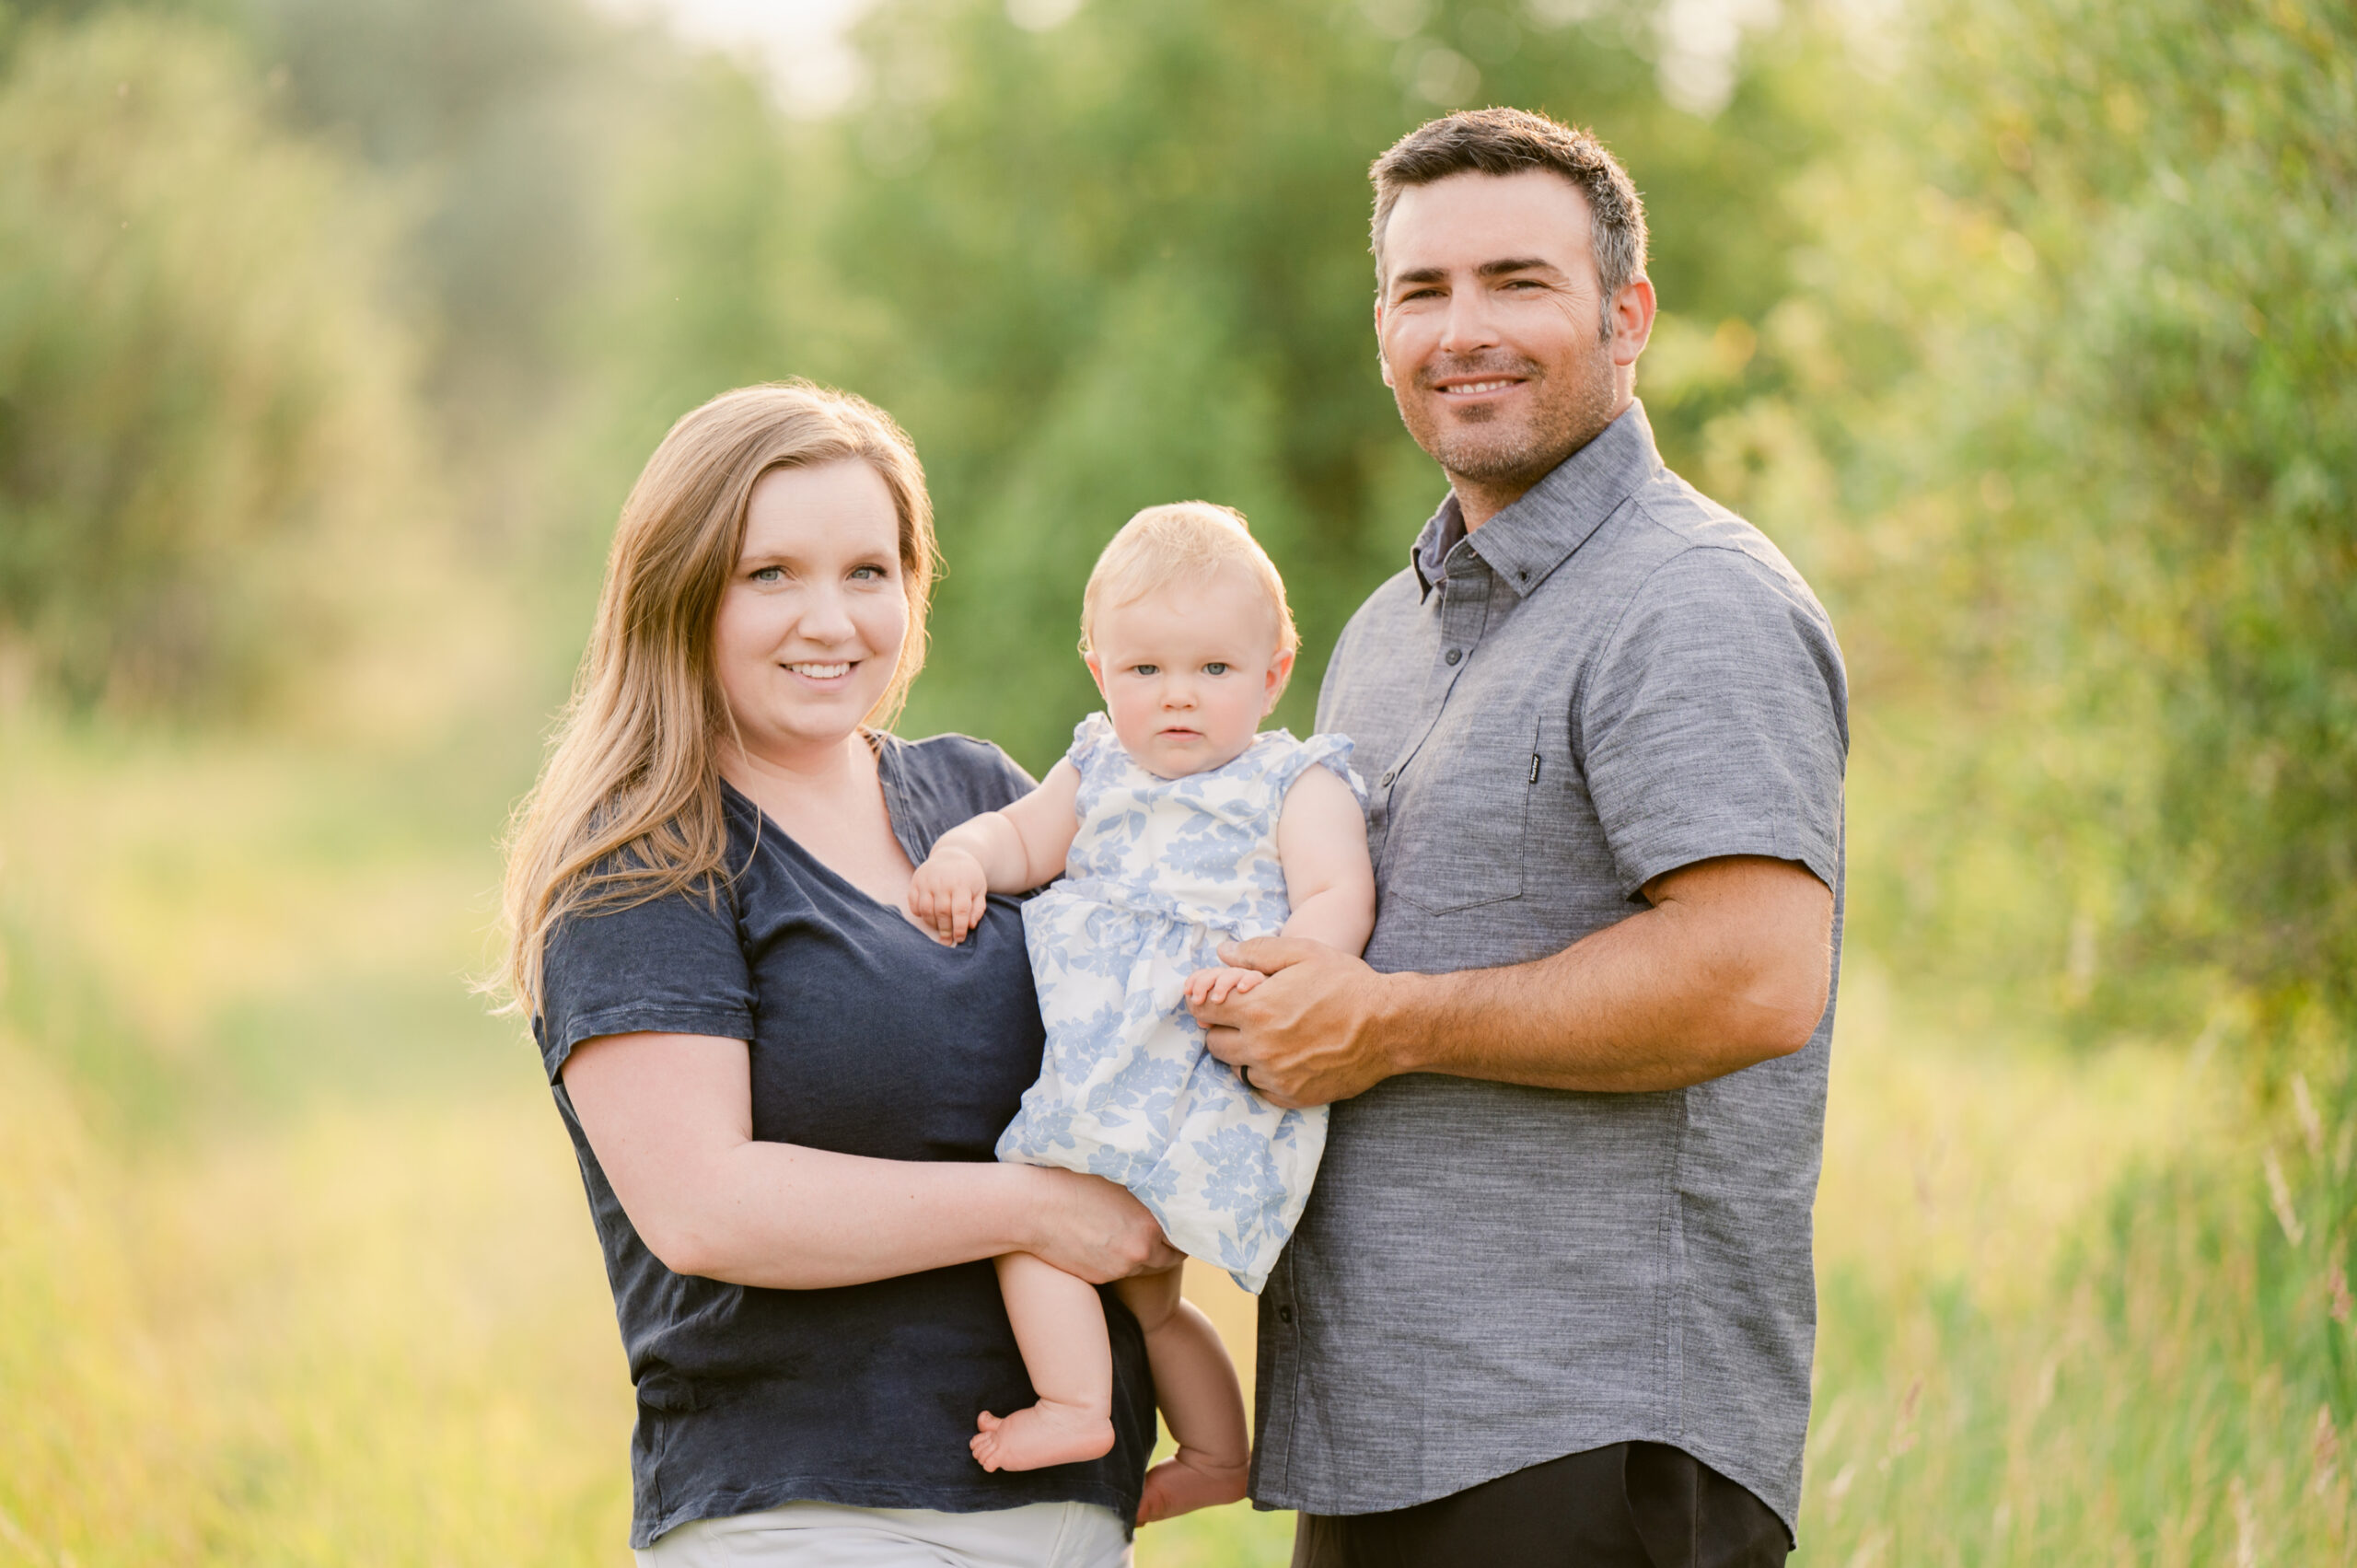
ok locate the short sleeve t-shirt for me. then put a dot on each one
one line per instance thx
(866, 1037)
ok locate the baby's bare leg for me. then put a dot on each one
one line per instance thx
(1060, 1327)
(1201, 1402)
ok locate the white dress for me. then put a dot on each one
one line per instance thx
(1161, 872)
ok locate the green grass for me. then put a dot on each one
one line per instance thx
(294, 1266)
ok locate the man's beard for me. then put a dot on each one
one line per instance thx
(1566, 413)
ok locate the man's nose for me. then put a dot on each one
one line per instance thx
(1470, 324)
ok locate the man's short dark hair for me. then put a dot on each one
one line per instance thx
(1507, 141)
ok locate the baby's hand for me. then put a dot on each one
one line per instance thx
(949, 894)
(1219, 984)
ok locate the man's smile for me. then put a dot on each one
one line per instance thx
(1460, 389)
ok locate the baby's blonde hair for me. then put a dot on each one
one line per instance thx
(1186, 540)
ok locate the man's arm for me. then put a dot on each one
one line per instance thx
(1731, 965)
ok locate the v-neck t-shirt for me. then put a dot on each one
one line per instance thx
(867, 1037)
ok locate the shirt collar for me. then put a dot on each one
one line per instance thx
(1528, 541)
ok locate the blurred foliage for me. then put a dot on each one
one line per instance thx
(1124, 260)
(2074, 448)
(201, 402)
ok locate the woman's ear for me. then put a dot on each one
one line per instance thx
(1280, 671)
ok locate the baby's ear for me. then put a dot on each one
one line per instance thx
(1279, 673)
(1096, 669)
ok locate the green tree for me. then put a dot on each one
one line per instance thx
(1123, 260)
(197, 385)
(2072, 429)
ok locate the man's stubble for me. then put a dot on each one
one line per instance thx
(1477, 447)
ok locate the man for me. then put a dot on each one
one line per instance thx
(1552, 1301)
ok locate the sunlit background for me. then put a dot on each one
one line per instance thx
(331, 333)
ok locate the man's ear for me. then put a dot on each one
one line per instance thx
(1633, 320)
(1280, 672)
(1380, 361)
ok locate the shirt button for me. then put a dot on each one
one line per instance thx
(1456, 654)
(1389, 777)
(1284, 1315)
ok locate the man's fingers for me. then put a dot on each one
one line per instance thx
(1225, 1043)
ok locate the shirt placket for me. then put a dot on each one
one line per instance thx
(1463, 610)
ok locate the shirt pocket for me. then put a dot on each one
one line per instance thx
(1460, 815)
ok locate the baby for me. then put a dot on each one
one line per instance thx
(1175, 826)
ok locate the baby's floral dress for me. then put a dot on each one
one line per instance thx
(1161, 872)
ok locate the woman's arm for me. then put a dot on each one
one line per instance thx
(1012, 850)
(1330, 882)
(670, 1118)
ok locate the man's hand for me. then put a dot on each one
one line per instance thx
(949, 893)
(1308, 1034)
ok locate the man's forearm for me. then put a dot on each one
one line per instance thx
(1688, 991)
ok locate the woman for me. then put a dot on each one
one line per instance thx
(783, 1092)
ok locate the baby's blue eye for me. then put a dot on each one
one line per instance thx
(1146, 669)
(1215, 668)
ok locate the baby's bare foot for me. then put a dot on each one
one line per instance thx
(1186, 1481)
(1047, 1433)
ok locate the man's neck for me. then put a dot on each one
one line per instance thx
(1480, 499)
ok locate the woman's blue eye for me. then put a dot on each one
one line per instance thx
(867, 571)
(769, 575)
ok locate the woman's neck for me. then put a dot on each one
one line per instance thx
(778, 779)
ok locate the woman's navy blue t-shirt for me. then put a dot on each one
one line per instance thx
(867, 1038)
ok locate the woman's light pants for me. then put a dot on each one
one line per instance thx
(828, 1534)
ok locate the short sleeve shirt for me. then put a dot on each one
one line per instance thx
(1611, 678)
(867, 1037)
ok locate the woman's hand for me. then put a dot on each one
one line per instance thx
(949, 893)
(1092, 1228)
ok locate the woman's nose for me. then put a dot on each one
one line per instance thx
(825, 617)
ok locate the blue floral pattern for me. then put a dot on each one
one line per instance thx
(1161, 872)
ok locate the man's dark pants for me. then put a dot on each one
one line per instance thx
(1629, 1506)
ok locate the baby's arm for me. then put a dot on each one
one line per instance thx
(1321, 840)
(1330, 882)
(1008, 851)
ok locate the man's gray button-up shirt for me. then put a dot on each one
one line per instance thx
(1611, 678)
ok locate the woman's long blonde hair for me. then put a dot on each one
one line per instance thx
(628, 806)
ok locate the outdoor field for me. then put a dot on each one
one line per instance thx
(331, 335)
